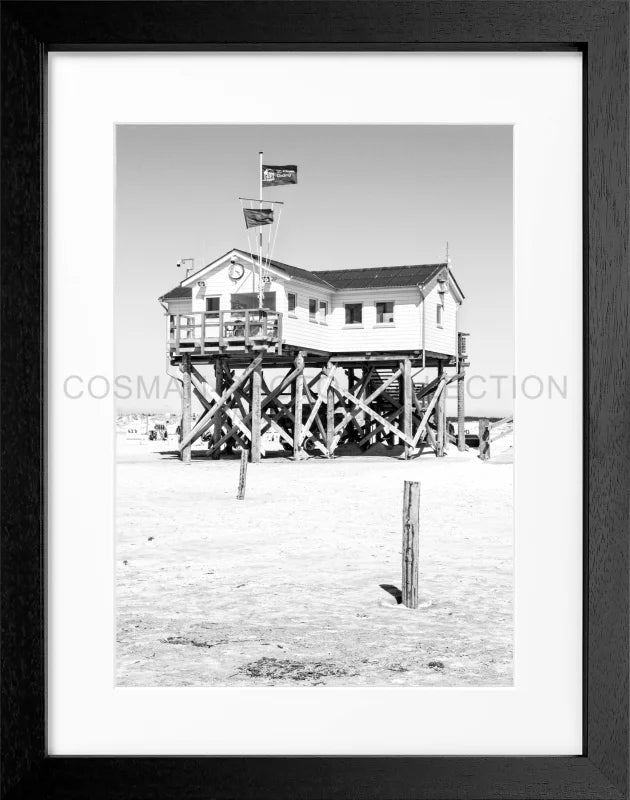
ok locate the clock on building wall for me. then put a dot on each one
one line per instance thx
(236, 271)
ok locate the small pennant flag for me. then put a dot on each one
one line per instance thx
(279, 176)
(258, 216)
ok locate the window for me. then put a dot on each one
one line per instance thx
(244, 300)
(323, 311)
(213, 304)
(439, 310)
(312, 310)
(292, 299)
(385, 313)
(354, 313)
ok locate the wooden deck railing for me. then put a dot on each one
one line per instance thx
(207, 332)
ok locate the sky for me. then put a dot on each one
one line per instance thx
(367, 196)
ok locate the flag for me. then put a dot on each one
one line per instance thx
(279, 176)
(258, 216)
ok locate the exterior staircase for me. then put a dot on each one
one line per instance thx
(381, 375)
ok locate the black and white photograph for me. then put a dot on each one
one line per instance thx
(314, 405)
(314, 415)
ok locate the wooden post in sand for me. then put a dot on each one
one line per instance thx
(186, 454)
(440, 421)
(299, 399)
(256, 414)
(484, 439)
(410, 544)
(461, 414)
(407, 389)
(218, 417)
(242, 477)
(330, 414)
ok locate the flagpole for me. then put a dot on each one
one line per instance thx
(260, 235)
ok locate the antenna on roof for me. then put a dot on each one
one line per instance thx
(448, 260)
(185, 261)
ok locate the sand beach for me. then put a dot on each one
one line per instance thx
(296, 585)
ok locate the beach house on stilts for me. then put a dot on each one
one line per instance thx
(365, 355)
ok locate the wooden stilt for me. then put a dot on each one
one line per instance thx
(186, 453)
(352, 382)
(218, 417)
(461, 415)
(411, 544)
(425, 417)
(229, 378)
(407, 403)
(389, 437)
(292, 405)
(330, 413)
(439, 416)
(313, 417)
(256, 414)
(324, 379)
(299, 399)
(445, 438)
(484, 439)
(244, 407)
(242, 477)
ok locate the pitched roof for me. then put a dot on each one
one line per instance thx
(363, 278)
(408, 275)
(177, 292)
(382, 277)
(294, 272)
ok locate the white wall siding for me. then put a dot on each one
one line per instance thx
(444, 339)
(179, 305)
(297, 328)
(404, 334)
(219, 284)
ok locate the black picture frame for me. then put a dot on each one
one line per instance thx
(599, 30)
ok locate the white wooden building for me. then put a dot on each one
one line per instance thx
(405, 309)
(357, 346)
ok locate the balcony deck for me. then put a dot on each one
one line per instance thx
(212, 333)
(241, 334)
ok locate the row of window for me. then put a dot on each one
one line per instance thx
(318, 309)
(384, 313)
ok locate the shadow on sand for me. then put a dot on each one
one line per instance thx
(395, 592)
(203, 455)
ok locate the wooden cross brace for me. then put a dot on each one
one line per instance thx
(203, 392)
(202, 425)
(268, 399)
(354, 411)
(370, 411)
(390, 418)
(313, 416)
